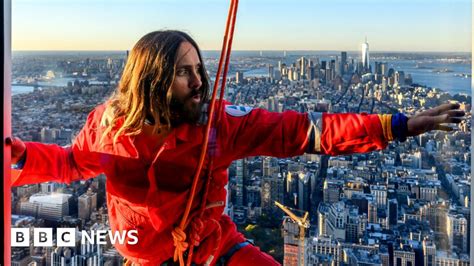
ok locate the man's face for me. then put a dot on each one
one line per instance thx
(186, 88)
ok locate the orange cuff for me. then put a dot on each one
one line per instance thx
(386, 121)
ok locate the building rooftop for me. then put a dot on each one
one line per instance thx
(54, 198)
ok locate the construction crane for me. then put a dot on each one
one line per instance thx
(303, 224)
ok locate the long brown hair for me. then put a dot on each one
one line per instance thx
(145, 86)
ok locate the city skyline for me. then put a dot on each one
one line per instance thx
(406, 26)
(409, 201)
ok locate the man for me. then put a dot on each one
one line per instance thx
(147, 139)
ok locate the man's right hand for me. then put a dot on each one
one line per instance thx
(18, 149)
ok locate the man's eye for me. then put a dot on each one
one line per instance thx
(182, 72)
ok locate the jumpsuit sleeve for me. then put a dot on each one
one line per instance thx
(286, 134)
(346, 133)
(53, 163)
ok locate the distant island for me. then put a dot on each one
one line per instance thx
(442, 70)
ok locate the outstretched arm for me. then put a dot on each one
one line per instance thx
(259, 132)
(357, 133)
(35, 162)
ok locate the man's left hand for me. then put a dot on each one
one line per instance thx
(433, 119)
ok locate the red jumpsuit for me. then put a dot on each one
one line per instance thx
(147, 188)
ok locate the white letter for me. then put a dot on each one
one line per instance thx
(90, 238)
(132, 234)
(101, 235)
(116, 235)
(43, 237)
(20, 237)
(66, 237)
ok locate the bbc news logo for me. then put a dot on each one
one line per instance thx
(66, 237)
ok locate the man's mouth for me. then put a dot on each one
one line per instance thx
(196, 98)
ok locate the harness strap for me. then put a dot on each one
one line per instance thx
(226, 257)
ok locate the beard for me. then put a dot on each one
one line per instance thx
(185, 110)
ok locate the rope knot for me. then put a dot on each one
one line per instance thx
(179, 239)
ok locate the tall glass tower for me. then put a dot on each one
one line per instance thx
(365, 55)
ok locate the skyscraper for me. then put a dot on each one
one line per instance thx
(429, 252)
(343, 61)
(87, 204)
(239, 76)
(304, 191)
(240, 184)
(271, 71)
(456, 230)
(331, 191)
(399, 78)
(290, 239)
(272, 190)
(336, 221)
(380, 194)
(352, 224)
(365, 55)
(311, 71)
(392, 212)
(372, 211)
(303, 64)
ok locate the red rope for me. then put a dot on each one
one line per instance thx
(179, 235)
(211, 161)
(227, 60)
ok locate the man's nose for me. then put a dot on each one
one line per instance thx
(195, 82)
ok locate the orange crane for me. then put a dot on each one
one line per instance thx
(303, 224)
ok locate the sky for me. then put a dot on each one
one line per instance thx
(389, 25)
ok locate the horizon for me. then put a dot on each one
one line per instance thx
(234, 50)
